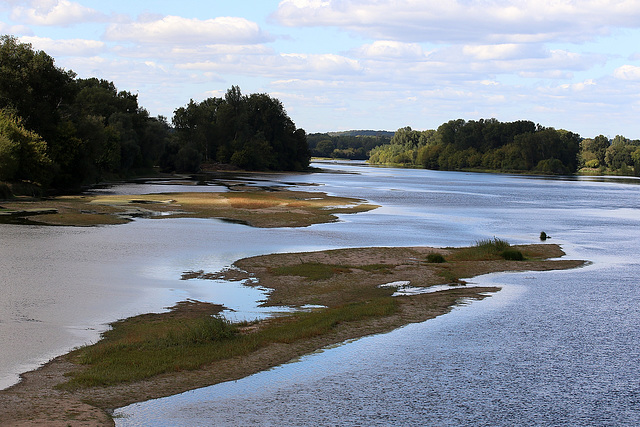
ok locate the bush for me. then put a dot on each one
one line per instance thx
(494, 244)
(512, 255)
(435, 258)
(543, 236)
(487, 249)
(5, 192)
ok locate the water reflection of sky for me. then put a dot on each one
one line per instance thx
(85, 278)
(552, 348)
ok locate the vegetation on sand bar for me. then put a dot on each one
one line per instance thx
(346, 283)
(156, 355)
(254, 207)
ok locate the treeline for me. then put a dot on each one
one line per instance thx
(354, 145)
(619, 156)
(252, 132)
(520, 146)
(59, 131)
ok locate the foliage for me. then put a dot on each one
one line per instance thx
(78, 131)
(483, 144)
(486, 249)
(619, 156)
(5, 191)
(354, 145)
(23, 154)
(32, 86)
(251, 132)
(435, 258)
(90, 128)
(512, 255)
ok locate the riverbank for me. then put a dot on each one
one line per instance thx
(339, 281)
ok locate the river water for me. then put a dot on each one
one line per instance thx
(553, 348)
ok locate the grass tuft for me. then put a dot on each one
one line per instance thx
(435, 258)
(512, 255)
(487, 249)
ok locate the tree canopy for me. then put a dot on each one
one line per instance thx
(354, 145)
(250, 132)
(484, 144)
(61, 131)
(620, 156)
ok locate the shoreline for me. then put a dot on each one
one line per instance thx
(36, 400)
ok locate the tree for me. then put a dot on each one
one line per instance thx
(251, 132)
(598, 146)
(32, 86)
(23, 154)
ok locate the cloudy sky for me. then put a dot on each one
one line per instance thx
(359, 64)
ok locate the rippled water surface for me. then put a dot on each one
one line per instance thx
(555, 348)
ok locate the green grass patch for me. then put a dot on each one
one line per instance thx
(321, 271)
(487, 249)
(143, 347)
(512, 255)
(435, 258)
(311, 270)
(309, 325)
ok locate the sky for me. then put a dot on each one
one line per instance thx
(359, 64)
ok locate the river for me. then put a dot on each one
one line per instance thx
(555, 348)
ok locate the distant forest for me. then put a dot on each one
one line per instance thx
(59, 131)
(354, 144)
(520, 146)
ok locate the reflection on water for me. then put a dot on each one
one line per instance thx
(528, 355)
(550, 348)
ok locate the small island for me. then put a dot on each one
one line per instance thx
(247, 205)
(339, 295)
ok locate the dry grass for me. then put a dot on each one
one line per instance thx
(259, 208)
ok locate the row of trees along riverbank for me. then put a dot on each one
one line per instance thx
(60, 131)
(520, 146)
(353, 145)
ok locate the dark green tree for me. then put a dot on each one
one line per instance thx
(23, 153)
(32, 86)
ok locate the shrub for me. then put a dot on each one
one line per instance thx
(494, 244)
(512, 255)
(484, 249)
(543, 236)
(435, 258)
(5, 191)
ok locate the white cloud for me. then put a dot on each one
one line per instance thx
(55, 12)
(299, 65)
(546, 74)
(15, 29)
(495, 21)
(191, 53)
(497, 51)
(391, 50)
(70, 47)
(627, 72)
(580, 86)
(175, 30)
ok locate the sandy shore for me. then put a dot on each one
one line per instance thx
(37, 401)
